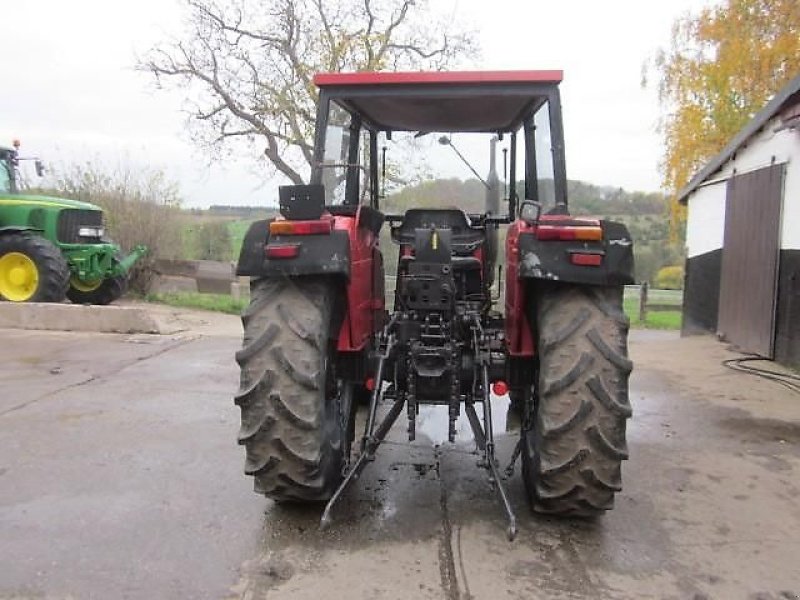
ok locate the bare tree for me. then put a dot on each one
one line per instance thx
(248, 65)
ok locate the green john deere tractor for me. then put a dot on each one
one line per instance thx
(52, 248)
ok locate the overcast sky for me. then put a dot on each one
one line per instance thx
(70, 91)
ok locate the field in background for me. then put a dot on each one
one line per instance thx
(209, 235)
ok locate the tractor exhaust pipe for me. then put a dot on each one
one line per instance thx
(492, 207)
(493, 181)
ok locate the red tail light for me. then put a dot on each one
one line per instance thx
(586, 259)
(320, 227)
(283, 251)
(500, 388)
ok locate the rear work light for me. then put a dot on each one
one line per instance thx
(321, 227)
(567, 233)
(282, 251)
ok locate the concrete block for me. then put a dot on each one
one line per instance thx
(164, 284)
(78, 317)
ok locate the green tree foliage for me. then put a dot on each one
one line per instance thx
(723, 65)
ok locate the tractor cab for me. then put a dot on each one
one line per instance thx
(360, 113)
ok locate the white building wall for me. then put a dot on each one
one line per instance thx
(790, 230)
(705, 227)
(763, 149)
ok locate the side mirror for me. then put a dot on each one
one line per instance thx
(39, 165)
(530, 211)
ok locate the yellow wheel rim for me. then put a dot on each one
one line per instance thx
(19, 277)
(85, 286)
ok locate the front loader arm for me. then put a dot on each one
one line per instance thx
(124, 265)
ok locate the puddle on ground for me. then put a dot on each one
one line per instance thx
(432, 421)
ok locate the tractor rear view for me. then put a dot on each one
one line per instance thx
(318, 337)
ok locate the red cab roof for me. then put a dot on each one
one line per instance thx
(434, 77)
(447, 101)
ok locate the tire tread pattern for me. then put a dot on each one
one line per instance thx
(573, 452)
(289, 436)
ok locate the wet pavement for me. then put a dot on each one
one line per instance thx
(120, 478)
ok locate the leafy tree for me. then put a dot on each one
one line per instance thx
(724, 63)
(248, 65)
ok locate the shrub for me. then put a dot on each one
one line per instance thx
(670, 278)
(141, 207)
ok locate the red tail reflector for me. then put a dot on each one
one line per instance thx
(586, 259)
(500, 388)
(370, 383)
(321, 227)
(283, 251)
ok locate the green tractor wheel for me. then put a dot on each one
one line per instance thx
(102, 291)
(31, 269)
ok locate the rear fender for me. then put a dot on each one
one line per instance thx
(317, 254)
(349, 252)
(551, 260)
(529, 259)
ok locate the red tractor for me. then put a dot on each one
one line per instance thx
(318, 339)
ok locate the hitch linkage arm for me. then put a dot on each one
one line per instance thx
(373, 436)
(484, 436)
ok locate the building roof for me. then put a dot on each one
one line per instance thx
(442, 101)
(756, 123)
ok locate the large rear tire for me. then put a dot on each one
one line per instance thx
(574, 438)
(32, 269)
(291, 425)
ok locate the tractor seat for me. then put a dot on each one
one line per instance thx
(464, 235)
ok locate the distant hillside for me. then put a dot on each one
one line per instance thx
(584, 198)
(645, 214)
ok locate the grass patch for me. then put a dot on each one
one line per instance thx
(213, 302)
(669, 319)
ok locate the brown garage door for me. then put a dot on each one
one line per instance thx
(750, 260)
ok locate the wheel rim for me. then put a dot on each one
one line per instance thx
(84, 286)
(19, 277)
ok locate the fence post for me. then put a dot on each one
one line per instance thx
(643, 301)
